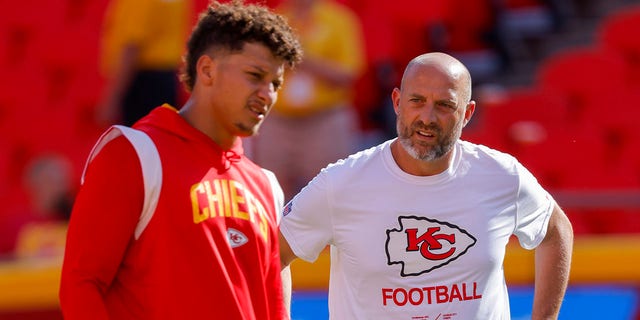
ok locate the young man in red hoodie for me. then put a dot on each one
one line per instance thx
(172, 221)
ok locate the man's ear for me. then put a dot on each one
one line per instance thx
(205, 69)
(395, 99)
(468, 113)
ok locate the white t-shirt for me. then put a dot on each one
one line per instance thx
(406, 247)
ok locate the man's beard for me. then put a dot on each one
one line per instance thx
(424, 152)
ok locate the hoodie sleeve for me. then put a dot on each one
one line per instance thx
(104, 216)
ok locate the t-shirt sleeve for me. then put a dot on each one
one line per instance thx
(534, 208)
(104, 216)
(306, 222)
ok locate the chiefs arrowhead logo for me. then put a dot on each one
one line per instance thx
(236, 238)
(422, 244)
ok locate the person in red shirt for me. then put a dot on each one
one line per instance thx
(183, 225)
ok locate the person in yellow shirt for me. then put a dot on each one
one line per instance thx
(141, 52)
(314, 122)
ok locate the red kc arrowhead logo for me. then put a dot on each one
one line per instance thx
(421, 244)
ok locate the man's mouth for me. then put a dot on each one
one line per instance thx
(258, 110)
(428, 134)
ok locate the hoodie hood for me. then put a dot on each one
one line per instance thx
(166, 118)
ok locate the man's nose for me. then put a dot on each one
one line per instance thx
(268, 93)
(428, 113)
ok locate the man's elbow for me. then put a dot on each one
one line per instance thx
(558, 242)
(286, 253)
(563, 228)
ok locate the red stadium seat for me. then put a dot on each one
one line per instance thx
(520, 105)
(528, 124)
(619, 33)
(468, 33)
(585, 77)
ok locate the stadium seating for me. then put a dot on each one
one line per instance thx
(619, 33)
(575, 127)
(585, 77)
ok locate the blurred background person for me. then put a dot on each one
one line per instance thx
(35, 225)
(141, 53)
(313, 122)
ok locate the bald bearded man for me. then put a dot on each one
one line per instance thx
(418, 225)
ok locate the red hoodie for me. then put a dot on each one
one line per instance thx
(210, 251)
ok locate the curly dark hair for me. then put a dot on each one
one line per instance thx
(230, 25)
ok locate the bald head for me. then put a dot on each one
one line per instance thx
(443, 64)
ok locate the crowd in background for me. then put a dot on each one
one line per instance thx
(573, 127)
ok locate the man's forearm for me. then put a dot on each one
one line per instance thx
(553, 262)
